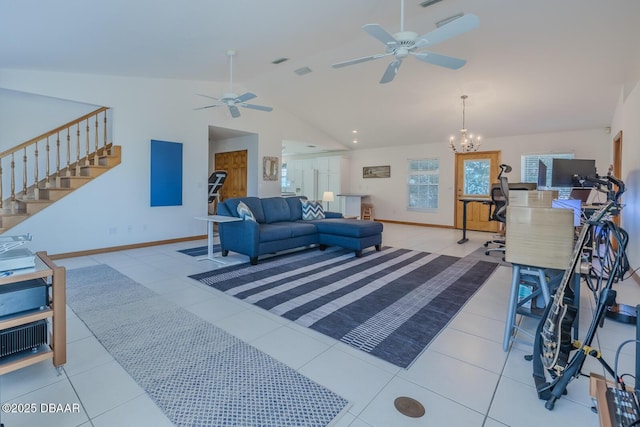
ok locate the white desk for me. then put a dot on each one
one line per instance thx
(213, 219)
(353, 204)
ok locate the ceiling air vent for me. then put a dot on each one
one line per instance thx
(302, 71)
(445, 21)
(427, 3)
(279, 61)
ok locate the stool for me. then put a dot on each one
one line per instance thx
(542, 281)
(366, 212)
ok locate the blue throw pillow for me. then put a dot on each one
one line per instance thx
(245, 213)
(311, 210)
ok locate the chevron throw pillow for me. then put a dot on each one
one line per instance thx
(245, 213)
(311, 210)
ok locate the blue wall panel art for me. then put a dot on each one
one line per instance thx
(166, 173)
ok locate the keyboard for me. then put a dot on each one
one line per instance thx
(623, 407)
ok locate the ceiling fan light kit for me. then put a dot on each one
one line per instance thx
(466, 142)
(405, 43)
(232, 100)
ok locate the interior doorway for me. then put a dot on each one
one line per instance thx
(235, 164)
(617, 164)
(475, 172)
(236, 152)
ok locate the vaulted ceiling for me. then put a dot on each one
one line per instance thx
(532, 66)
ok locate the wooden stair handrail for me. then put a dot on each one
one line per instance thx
(52, 132)
(31, 165)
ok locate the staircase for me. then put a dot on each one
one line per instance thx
(78, 151)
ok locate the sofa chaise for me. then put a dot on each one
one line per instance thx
(276, 224)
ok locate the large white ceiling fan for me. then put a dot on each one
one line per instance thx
(232, 100)
(405, 43)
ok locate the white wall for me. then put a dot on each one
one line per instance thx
(24, 116)
(389, 196)
(114, 210)
(627, 120)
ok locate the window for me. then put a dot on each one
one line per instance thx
(422, 184)
(529, 169)
(477, 177)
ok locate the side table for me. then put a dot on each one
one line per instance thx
(214, 219)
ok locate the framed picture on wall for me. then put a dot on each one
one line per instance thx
(270, 168)
(376, 172)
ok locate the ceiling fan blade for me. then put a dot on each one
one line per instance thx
(207, 96)
(234, 111)
(208, 106)
(256, 107)
(245, 97)
(441, 60)
(380, 33)
(456, 27)
(359, 60)
(391, 71)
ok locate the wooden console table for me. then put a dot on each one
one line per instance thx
(56, 311)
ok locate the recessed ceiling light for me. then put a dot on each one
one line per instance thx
(354, 131)
(355, 141)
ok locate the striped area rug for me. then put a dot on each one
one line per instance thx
(390, 304)
(199, 251)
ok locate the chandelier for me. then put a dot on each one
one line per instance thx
(467, 142)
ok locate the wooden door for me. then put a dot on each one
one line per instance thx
(475, 172)
(235, 163)
(617, 164)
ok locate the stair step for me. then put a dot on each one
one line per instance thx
(74, 181)
(93, 170)
(9, 220)
(52, 193)
(31, 206)
(109, 160)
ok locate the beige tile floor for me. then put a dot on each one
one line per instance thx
(464, 378)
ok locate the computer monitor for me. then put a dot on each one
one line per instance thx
(542, 174)
(572, 172)
(574, 205)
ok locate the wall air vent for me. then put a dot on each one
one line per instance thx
(302, 71)
(427, 3)
(279, 61)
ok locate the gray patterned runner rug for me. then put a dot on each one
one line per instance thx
(390, 304)
(198, 374)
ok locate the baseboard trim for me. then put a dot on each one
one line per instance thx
(124, 247)
(420, 224)
(188, 239)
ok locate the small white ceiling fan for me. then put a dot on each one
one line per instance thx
(405, 43)
(232, 100)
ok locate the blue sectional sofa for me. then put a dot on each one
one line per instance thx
(279, 226)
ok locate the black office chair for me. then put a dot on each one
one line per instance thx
(498, 208)
(216, 181)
